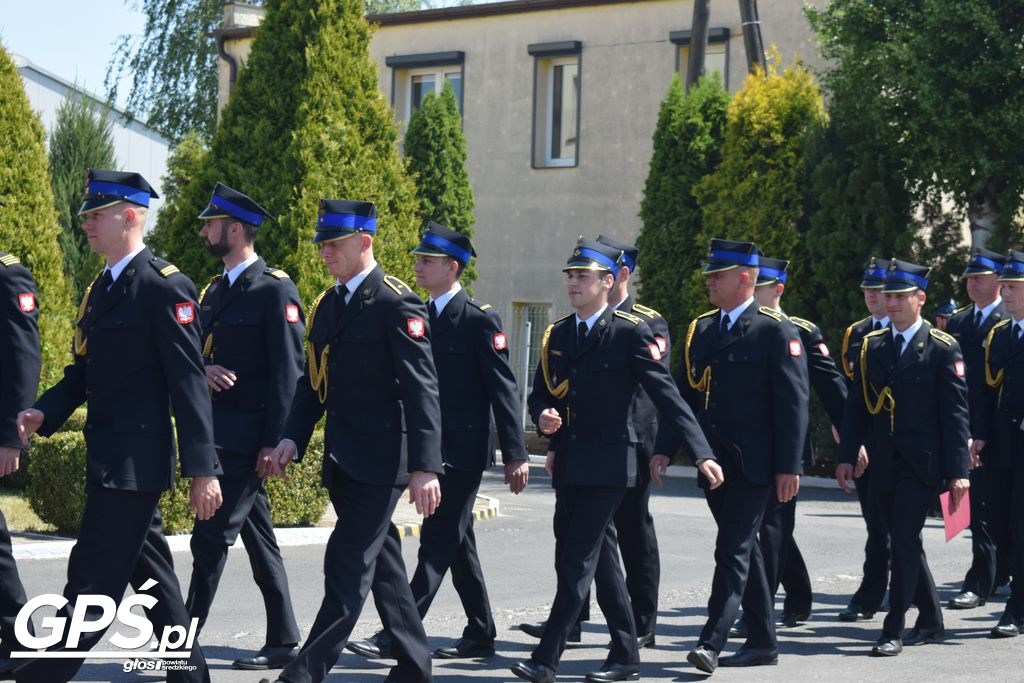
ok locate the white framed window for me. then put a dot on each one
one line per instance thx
(413, 77)
(716, 60)
(556, 104)
(421, 82)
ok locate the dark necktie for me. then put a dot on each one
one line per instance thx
(432, 307)
(339, 302)
(1018, 334)
(899, 344)
(581, 335)
(876, 326)
(724, 328)
(223, 288)
(101, 289)
(977, 320)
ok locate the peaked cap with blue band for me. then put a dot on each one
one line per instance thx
(1013, 269)
(441, 241)
(874, 273)
(726, 254)
(771, 271)
(228, 203)
(340, 218)
(630, 254)
(592, 255)
(945, 310)
(106, 188)
(984, 262)
(904, 276)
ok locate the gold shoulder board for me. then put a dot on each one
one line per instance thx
(771, 313)
(9, 260)
(962, 309)
(800, 322)
(941, 336)
(645, 310)
(636, 320)
(396, 284)
(279, 274)
(168, 270)
(485, 307)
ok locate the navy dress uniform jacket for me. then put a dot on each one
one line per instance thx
(928, 423)
(972, 346)
(643, 411)
(596, 444)
(20, 360)
(826, 379)
(752, 395)
(471, 356)
(1001, 404)
(383, 413)
(852, 339)
(139, 357)
(254, 329)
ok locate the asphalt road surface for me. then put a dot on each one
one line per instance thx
(517, 553)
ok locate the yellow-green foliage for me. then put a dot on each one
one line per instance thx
(757, 192)
(28, 219)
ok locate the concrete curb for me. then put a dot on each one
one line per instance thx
(690, 472)
(42, 547)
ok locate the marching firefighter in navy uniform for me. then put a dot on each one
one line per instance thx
(20, 363)
(970, 326)
(591, 364)
(869, 596)
(252, 345)
(370, 370)
(999, 436)
(747, 381)
(634, 525)
(471, 354)
(137, 356)
(784, 564)
(910, 395)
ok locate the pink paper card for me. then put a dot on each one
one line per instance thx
(955, 521)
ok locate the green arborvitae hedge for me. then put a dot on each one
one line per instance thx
(81, 138)
(687, 146)
(435, 149)
(56, 488)
(306, 120)
(28, 220)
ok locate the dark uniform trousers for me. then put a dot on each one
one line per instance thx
(475, 380)
(638, 544)
(1000, 416)
(783, 561)
(592, 383)
(748, 385)
(875, 580)
(130, 382)
(379, 393)
(915, 406)
(253, 327)
(989, 560)
(20, 363)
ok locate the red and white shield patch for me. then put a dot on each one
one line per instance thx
(662, 344)
(185, 312)
(291, 313)
(27, 302)
(795, 349)
(958, 368)
(823, 349)
(655, 351)
(500, 342)
(416, 327)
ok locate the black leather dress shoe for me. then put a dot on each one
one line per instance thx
(704, 658)
(793, 619)
(752, 656)
(537, 630)
(1008, 627)
(923, 636)
(855, 612)
(616, 672)
(269, 657)
(534, 671)
(739, 629)
(377, 646)
(887, 647)
(646, 640)
(464, 648)
(966, 600)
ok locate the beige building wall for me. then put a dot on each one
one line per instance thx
(528, 218)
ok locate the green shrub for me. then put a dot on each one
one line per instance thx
(56, 487)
